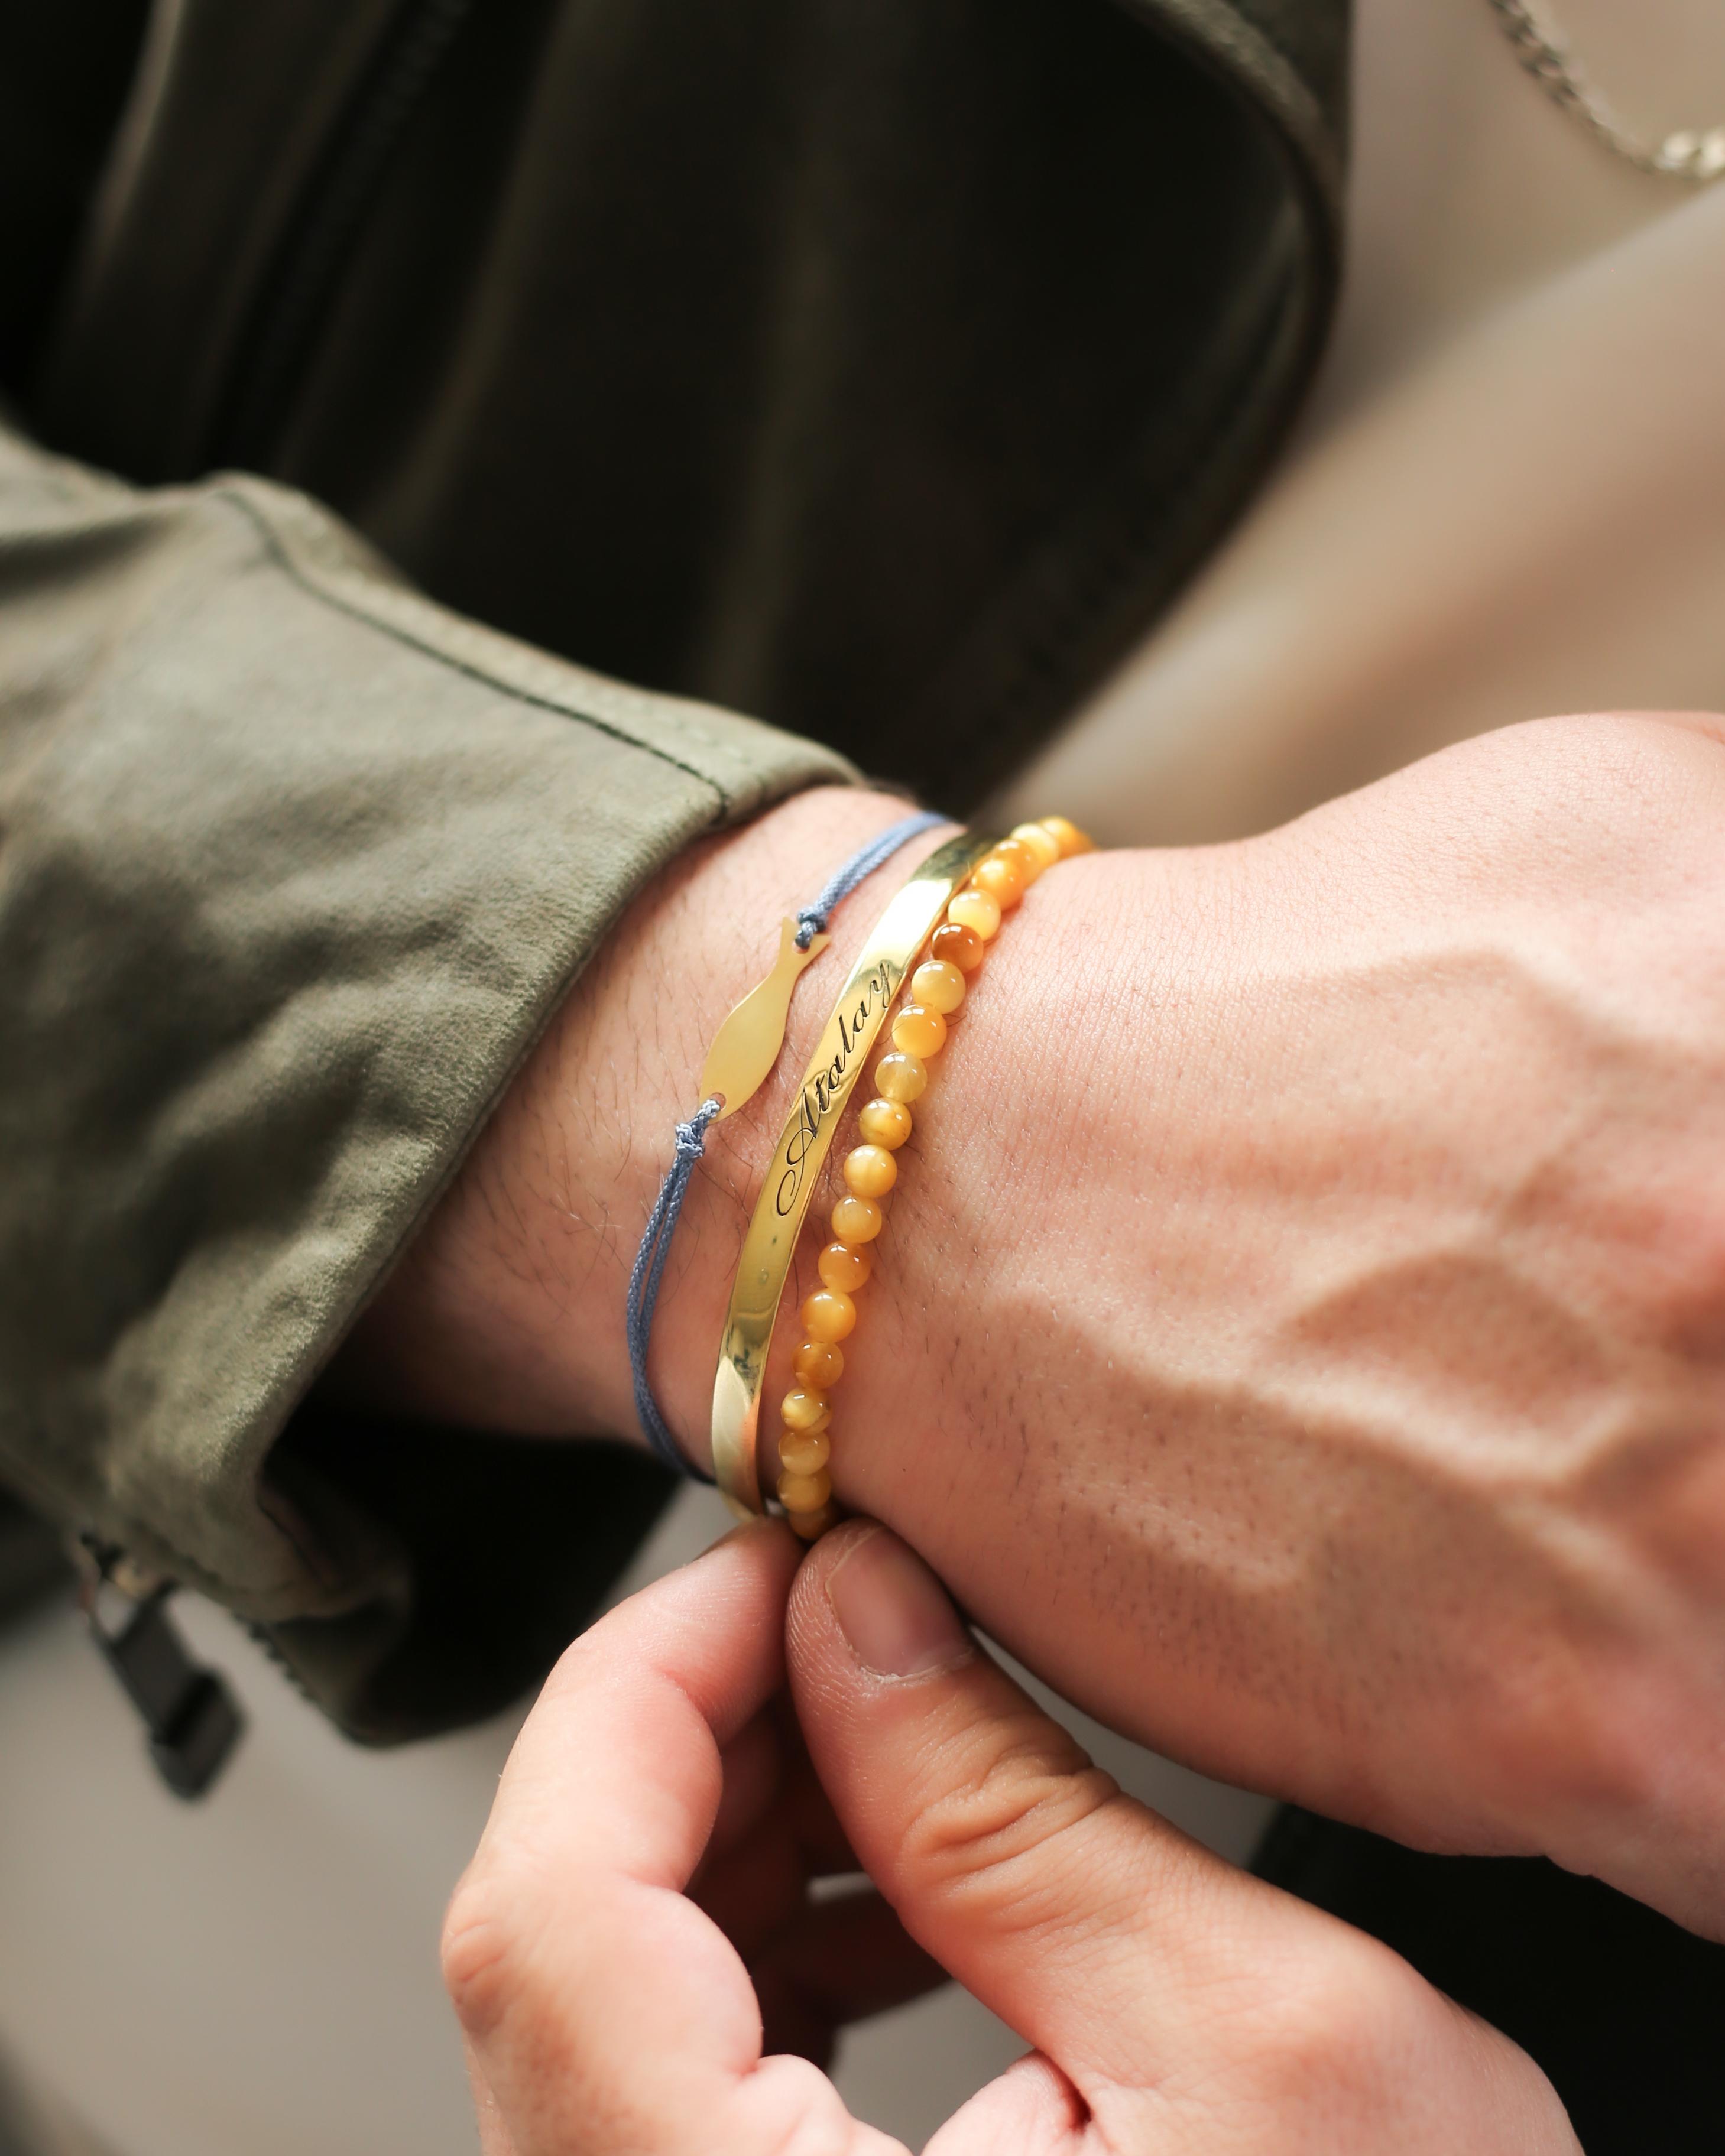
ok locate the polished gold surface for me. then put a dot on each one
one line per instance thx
(747, 1046)
(807, 1138)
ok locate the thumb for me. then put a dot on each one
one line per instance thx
(1131, 1957)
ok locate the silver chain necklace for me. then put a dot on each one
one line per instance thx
(1685, 156)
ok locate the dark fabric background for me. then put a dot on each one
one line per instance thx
(878, 370)
(64, 68)
(1624, 2010)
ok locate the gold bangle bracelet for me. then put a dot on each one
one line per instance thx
(937, 991)
(791, 1175)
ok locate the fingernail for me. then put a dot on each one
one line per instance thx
(898, 1619)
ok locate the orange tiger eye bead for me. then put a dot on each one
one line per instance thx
(804, 1493)
(828, 1314)
(919, 1030)
(819, 1363)
(937, 985)
(1003, 879)
(812, 1526)
(1038, 839)
(803, 1408)
(902, 1077)
(855, 1220)
(886, 1123)
(957, 945)
(870, 1171)
(978, 910)
(804, 1451)
(1025, 858)
(1068, 836)
(845, 1269)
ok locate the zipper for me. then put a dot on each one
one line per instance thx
(191, 1718)
(278, 340)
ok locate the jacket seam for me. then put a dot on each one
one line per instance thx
(284, 558)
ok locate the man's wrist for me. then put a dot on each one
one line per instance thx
(508, 1310)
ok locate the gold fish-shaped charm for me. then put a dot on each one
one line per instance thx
(747, 1046)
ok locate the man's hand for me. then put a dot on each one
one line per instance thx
(639, 1909)
(1299, 1329)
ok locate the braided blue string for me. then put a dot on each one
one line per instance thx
(648, 1271)
(861, 865)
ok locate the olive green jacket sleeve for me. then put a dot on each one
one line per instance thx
(294, 866)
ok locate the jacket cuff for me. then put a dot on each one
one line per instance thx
(295, 867)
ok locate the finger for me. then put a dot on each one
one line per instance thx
(1030, 2110)
(766, 1847)
(825, 1846)
(1015, 1861)
(767, 1770)
(757, 1893)
(755, 1887)
(833, 1963)
(752, 1770)
(605, 2011)
(620, 1764)
(1134, 1958)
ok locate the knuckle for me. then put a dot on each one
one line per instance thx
(991, 1834)
(480, 1950)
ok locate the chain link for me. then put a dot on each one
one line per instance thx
(1688, 155)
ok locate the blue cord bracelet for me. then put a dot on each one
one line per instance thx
(648, 1271)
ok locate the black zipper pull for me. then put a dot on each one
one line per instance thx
(194, 1720)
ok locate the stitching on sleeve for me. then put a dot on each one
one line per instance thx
(401, 633)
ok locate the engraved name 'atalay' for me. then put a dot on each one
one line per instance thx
(823, 1094)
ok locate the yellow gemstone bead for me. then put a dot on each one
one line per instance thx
(902, 1077)
(804, 1493)
(959, 945)
(919, 1030)
(828, 1314)
(870, 1171)
(1025, 858)
(1068, 836)
(845, 1269)
(977, 911)
(804, 1408)
(1038, 839)
(886, 1123)
(812, 1526)
(937, 985)
(804, 1451)
(1003, 879)
(819, 1363)
(856, 1220)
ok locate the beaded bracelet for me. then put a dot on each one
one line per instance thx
(995, 882)
(744, 1054)
(788, 1188)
